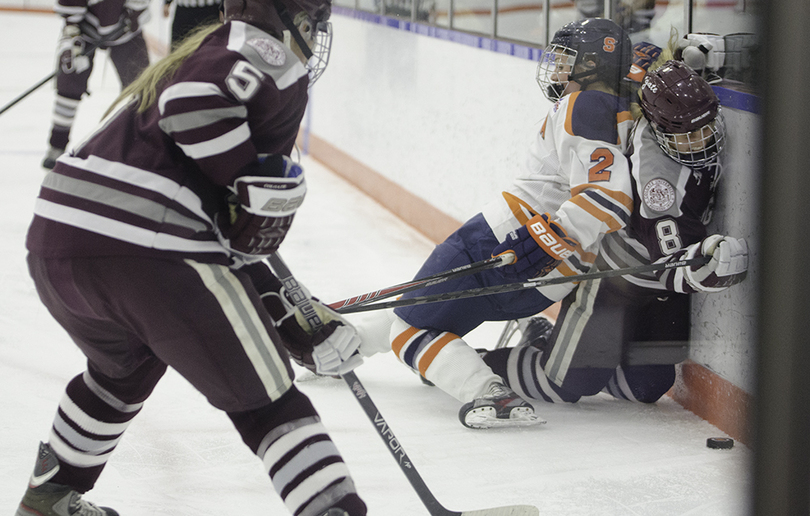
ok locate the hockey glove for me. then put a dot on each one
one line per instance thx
(260, 209)
(728, 266)
(539, 247)
(71, 50)
(329, 351)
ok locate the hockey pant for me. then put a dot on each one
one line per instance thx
(129, 59)
(428, 338)
(134, 317)
(610, 336)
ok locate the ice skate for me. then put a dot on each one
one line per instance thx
(43, 498)
(50, 158)
(499, 407)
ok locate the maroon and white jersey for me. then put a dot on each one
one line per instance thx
(152, 183)
(673, 204)
(111, 22)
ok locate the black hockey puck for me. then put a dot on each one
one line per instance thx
(719, 443)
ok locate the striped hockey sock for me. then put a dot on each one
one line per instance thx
(88, 425)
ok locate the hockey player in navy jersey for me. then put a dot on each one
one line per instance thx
(146, 245)
(112, 25)
(623, 334)
(575, 189)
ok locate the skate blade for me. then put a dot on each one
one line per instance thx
(485, 417)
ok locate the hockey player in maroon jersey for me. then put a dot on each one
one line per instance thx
(623, 334)
(146, 246)
(112, 25)
(575, 188)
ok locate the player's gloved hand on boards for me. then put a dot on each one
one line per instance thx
(728, 266)
(539, 246)
(260, 208)
(330, 351)
(70, 50)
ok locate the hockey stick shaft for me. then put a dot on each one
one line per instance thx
(301, 300)
(434, 279)
(512, 287)
(386, 434)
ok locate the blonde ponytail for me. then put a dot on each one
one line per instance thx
(146, 87)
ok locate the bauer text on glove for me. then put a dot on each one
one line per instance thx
(539, 246)
(260, 208)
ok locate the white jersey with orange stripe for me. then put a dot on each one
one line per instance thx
(576, 172)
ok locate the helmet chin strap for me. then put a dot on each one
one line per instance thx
(286, 19)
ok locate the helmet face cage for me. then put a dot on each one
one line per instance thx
(321, 48)
(695, 148)
(556, 64)
(316, 30)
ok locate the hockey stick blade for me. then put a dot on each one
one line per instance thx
(524, 285)
(508, 510)
(434, 279)
(392, 443)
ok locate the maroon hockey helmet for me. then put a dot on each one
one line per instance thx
(684, 113)
(596, 42)
(306, 22)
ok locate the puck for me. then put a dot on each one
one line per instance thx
(719, 443)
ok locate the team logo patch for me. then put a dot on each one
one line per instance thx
(659, 195)
(270, 50)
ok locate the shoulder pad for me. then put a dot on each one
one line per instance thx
(594, 115)
(266, 53)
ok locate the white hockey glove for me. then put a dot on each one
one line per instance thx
(71, 50)
(260, 209)
(338, 352)
(330, 351)
(728, 266)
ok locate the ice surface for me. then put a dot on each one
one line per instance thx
(182, 457)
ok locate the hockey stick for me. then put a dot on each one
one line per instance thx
(434, 279)
(512, 287)
(392, 443)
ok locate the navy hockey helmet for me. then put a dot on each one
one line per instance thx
(684, 113)
(302, 24)
(584, 51)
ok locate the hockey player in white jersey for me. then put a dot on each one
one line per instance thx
(623, 334)
(575, 188)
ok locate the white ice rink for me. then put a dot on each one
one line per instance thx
(181, 457)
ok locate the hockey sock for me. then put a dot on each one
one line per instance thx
(444, 359)
(88, 425)
(644, 384)
(64, 113)
(304, 465)
(524, 374)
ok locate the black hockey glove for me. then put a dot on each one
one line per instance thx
(260, 209)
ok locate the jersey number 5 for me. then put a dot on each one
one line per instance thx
(602, 158)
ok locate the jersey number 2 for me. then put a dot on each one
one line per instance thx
(602, 158)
